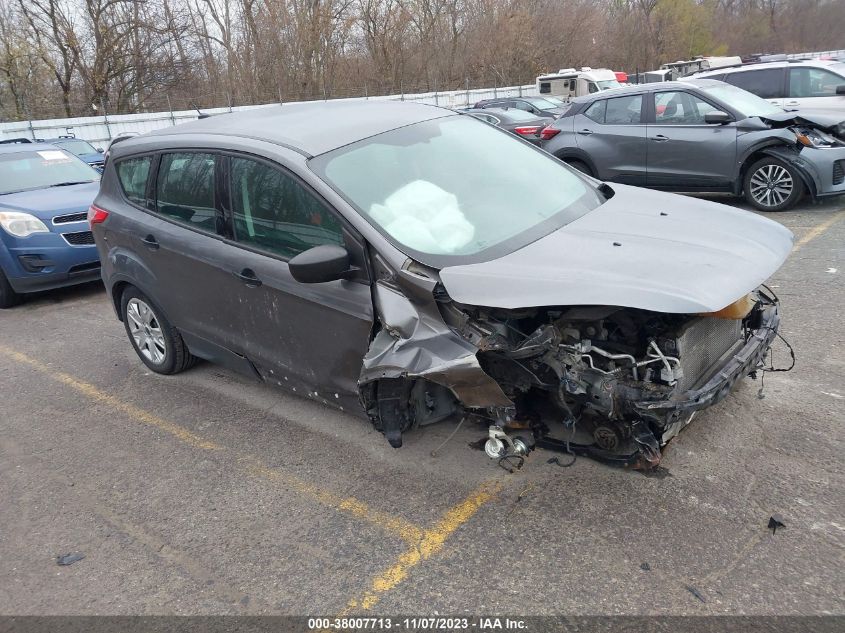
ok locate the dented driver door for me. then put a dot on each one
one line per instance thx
(310, 338)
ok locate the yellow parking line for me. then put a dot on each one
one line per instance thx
(95, 394)
(818, 230)
(247, 463)
(432, 541)
(408, 531)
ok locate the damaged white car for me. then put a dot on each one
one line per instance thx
(417, 265)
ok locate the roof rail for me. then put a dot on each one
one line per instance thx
(751, 63)
(10, 141)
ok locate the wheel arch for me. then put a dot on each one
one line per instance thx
(567, 154)
(779, 150)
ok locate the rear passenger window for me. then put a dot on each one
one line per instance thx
(132, 174)
(273, 212)
(763, 83)
(596, 111)
(624, 110)
(185, 189)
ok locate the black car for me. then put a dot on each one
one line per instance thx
(399, 261)
(539, 106)
(523, 124)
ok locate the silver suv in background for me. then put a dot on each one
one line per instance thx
(702, 135)
(810, 84)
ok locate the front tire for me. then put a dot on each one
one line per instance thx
(8, 296)
(772, 185)
(157, 343)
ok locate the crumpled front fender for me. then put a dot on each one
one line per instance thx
(415, 343)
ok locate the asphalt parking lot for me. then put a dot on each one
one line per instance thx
(206, 493)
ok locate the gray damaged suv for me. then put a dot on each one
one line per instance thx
(399, 261)
(703, 135)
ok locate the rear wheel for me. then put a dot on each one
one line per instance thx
(580, 165)
(157, 343)
(772, 185)
(8, 296)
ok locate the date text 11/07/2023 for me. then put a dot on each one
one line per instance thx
(433, 623)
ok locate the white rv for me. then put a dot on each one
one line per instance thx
(570, 82)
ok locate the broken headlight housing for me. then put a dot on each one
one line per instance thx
(810, 137)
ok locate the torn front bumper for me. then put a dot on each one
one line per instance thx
(741, 363)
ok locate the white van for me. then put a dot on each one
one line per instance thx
(810, 84)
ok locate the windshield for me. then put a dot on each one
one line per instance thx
(77, 146)
(454, 190)
(741, 100)
(39, 169)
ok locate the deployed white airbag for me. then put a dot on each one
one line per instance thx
(424, 217)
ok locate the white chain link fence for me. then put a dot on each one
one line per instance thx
(101, 129)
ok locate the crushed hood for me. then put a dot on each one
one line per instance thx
(640, 249)
(826, 120)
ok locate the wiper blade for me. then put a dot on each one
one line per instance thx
(72, 182)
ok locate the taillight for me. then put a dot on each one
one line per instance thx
(548, 133)
(96, 215)
(527, 130)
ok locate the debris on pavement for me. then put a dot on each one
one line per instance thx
(69, 559)
(696, 593)
(775, 522)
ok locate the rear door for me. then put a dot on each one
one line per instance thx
(303, 336)
(613, 134)
(766, 83)
(815, 88)
(185, 247)
(683, 150)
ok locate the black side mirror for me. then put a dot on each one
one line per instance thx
(840, 90)
(320, 264)
(718, 117)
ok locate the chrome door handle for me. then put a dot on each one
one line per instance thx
(585, 132)
(659, 138)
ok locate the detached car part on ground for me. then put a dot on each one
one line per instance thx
(475, 277)
(703, 135)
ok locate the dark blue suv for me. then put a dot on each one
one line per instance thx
(45, 239)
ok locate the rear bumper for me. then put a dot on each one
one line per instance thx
(747, 359)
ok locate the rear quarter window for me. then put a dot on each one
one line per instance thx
(132, 173)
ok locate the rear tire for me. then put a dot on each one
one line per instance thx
(580, 165)
(157, 343)
(8, 296)
(772, 185)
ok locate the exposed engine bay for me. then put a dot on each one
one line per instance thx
(611, 382)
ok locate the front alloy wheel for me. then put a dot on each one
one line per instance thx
(772, 185)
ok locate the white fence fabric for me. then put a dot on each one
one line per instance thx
(101, 129)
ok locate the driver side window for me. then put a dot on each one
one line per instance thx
(274, 213)
(680, 108)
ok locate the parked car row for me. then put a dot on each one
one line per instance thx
(702, 135)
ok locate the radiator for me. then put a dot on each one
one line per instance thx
(700, 345)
